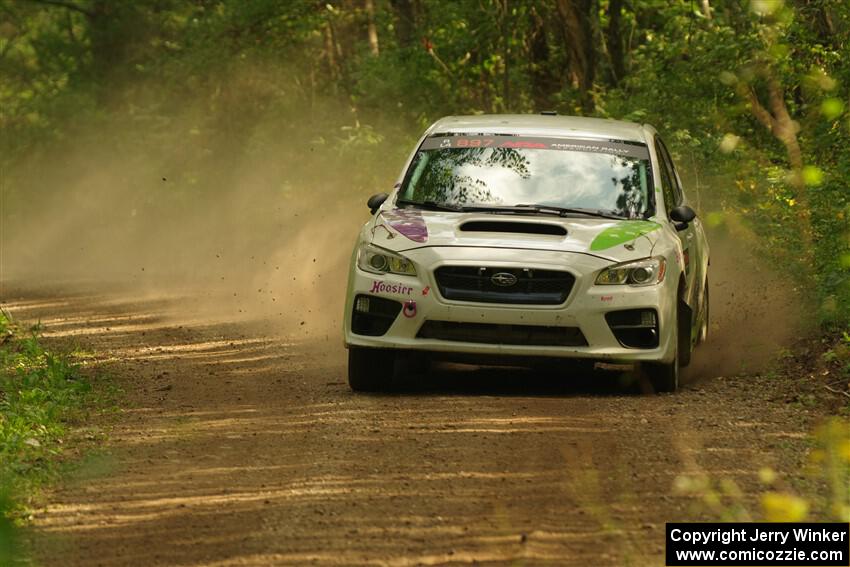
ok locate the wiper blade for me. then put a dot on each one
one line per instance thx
(434, 205)
(517, 209)
(564, 211)
(513, 209)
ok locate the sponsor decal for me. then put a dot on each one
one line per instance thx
(622, 232)
(408, 223)
(426, 289)
(522, 144)
(607, 298)
(393, 288)
(613, 147)
(409, 309)
(593, 148)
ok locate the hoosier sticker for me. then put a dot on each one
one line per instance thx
(392, 288)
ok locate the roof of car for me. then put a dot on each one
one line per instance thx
(542, 125)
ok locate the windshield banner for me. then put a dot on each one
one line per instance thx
(464, 141)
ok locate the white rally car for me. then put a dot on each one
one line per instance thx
(522, 238)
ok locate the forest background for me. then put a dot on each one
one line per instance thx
(132, 129)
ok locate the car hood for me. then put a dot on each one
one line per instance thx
(616, 240)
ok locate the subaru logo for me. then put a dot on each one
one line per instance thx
(503, 279)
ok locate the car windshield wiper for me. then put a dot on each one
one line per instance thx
(515, 209)
(565, 211)
(434, 205)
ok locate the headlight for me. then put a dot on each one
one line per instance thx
(379, 261)
(642, 272)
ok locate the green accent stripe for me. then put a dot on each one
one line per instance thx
(621, 233)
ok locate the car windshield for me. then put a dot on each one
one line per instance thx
(505, 171)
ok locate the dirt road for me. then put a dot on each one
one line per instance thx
(243, 447)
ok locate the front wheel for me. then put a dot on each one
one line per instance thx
(370, 369)
(703, 329)
(664, 376)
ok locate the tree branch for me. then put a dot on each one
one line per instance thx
(786, 127)
(759, 111)
(8, 45)
(66, 5)
(834, 391)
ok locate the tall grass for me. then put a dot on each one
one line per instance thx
(41, 393)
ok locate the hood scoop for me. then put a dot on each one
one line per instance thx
(514, 227)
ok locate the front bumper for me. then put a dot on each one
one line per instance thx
(585, 307)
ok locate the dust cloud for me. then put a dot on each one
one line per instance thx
(257, 225)
(260, 225)
(757, 310)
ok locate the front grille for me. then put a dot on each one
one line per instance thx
(532, 287)
(489, 333)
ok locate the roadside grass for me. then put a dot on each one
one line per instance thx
(42, 394)
(819, 378)
(824, 496)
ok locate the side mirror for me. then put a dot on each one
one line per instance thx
(682, 215)
(375, 201)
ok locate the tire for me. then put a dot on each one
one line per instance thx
(370, 369)
(684, 331)
(416, 363)
(664, 376)
(704, 324)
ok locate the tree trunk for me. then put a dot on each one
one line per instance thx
(543, 82)
(504, 24)
(818, 17)
(111, 27)
(577, 28)
(372, 30)
(405, 22)
(105, 46)
(330, 53)
(614, 36)
(706, 9)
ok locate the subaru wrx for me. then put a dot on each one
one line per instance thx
(530, 237)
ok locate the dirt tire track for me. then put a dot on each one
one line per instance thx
(240, 447)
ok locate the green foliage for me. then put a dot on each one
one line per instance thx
(694, 84)
(8, 531)
(40, 392)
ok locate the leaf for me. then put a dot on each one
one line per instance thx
(784, 507)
